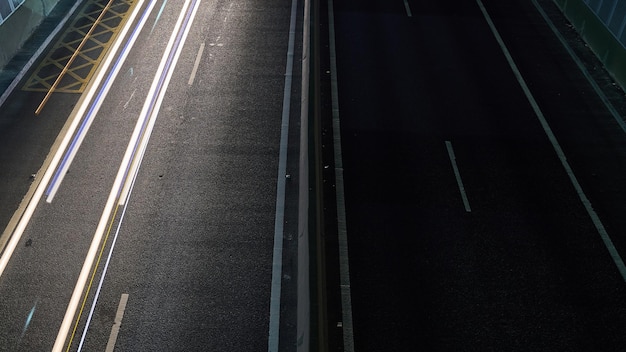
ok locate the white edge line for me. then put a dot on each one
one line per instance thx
(104, 219)
(617, 259)
(37, 53)
(115, 329)
(277, 256)
(196, 64)
(457, 174)
(342, 228)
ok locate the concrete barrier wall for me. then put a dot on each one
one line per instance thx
(20, 25)
(602, 24)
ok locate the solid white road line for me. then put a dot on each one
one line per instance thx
(617, 259)
(457, 174)
(279, 220)
(142, 128)
(115, 329)
(342, 227)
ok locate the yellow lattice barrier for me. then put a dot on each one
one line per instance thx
(81, 70)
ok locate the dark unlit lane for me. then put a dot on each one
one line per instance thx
(192, 265)
(465, 231)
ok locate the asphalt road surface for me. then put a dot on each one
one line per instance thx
(483, 177)
(183, 256)
(484, 190)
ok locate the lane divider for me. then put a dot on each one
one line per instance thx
(138, 143)
(118, 322)
(196, 64)
(407, 8)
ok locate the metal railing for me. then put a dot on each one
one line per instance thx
(613, 14)
(7, 7)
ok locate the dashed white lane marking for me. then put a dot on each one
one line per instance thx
(196, 64)
(407, 8)
(457, 174)
(115, 329)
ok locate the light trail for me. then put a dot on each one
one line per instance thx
(78, 111)
(138, 142)
(69, 155)
(119, 315)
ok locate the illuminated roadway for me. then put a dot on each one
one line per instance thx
(170, 189)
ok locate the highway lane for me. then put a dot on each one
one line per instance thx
(212, 193)
(524, 267)
(200, 220)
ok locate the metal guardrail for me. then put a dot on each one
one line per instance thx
(613, 14)
(7, 7)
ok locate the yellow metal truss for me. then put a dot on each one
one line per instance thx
(85, 64)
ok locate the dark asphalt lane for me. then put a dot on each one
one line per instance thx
(195, 248)
(526, 269)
